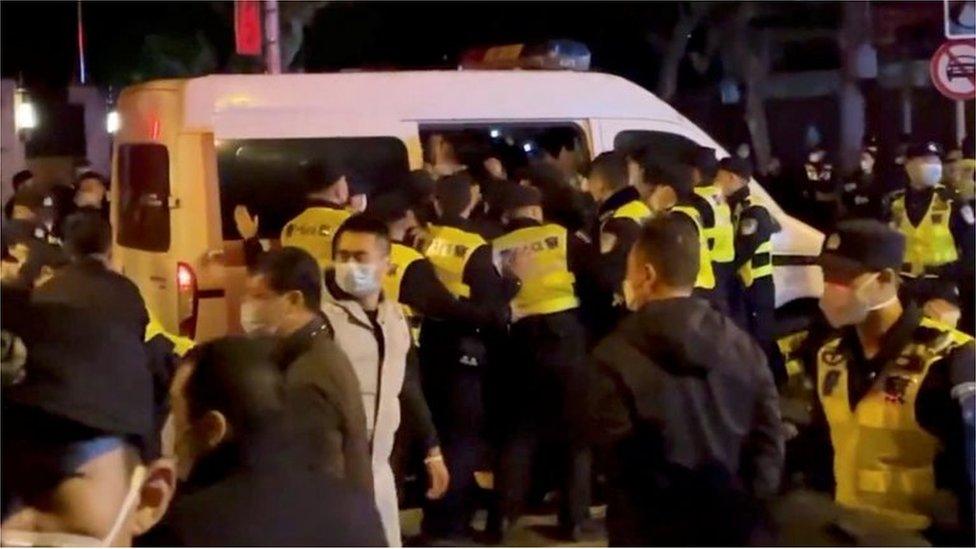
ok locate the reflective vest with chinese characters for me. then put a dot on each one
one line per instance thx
(313, 231)
(547, 286)
(401, 257)
(635, 209)
(706, 275)
(449, 251)
(721, 237)
(883, 459)
(761, 263)
(930, 243)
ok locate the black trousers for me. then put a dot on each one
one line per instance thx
(543, 390)
(453, 360)
(760, 311)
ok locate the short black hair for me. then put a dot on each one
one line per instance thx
(363, 223)
(20, 178)
(87, 233)
(554, 140)
(290, 269)
(321, 176)
(237, 377)
(670, 243)
(90, 174)
(677, 176)
(453, 193)
(612, 167)
(390, 206)
(703, 159)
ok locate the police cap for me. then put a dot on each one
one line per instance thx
(927, 148)
(520, 196)
(81, 366)
(862, 245)
(739, 166)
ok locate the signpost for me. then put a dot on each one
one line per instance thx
(953, 69)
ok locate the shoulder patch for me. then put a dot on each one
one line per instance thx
(748, 227)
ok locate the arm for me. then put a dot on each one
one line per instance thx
(416, 414)
(617, 237)
(424, 292)
(813, 442)
(606, 406)
(963, 232)
(754, 228)
(488, 286)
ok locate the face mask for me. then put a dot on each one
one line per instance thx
(27, 538)
(845, 306)
(253, 319)
(867, 165)
(88, 199)
(357, 279)
(924, 175)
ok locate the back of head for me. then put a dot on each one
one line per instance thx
(321, 176)
(290, 269)
(611, 167)
(86, 233)
(454, 194)
(703, 159)
(554, 140)
(740, 167)
(670, 244)
(390, 207)
(677, 176)
(20, 178)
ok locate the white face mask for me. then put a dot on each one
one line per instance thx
(357, 279)
(924, 174)
(252, 321)
(29, 538)
(846, 306)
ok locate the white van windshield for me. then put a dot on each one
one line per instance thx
(266, 175)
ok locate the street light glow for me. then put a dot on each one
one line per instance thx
(112, 122)
(25, 117)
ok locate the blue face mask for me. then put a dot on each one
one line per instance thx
(357, 279)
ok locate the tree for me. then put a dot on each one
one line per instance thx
(293, 18)
(690, 15)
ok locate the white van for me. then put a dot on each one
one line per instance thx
(189, 151)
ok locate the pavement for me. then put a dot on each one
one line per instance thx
(531, 530)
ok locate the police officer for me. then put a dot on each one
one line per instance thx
(821, 187)
(326, 199)
(454, 356)
(670, 188)
(936, 226)
(754, 226)
(716, 219)
(542, 385)
(894, 390)
(620, 214)
(859, 196)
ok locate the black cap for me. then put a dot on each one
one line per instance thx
(927, 148)
(85, 368)
(863, 245)
(520, 196)
(454, 186)
(702, 158)
(739, 166)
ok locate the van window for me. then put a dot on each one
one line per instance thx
(515, 145)
(267, 175)
(144, 197)
(668, 146)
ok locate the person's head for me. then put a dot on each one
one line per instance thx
(33, 205)
(733, 174)
(860, 262)
(87, 234)
(29, 261)
(867, 161)
(608, 174)
(396, 210)
(667, 185)
(21, 179)
(703, 163)
(80, 465)
(224, 391)
(283, 292)
(362, 257)
(664, 261)
(440, 155)
(923, 164)
(637, 160)
(559, 147)
(91, 190)
(327, 182)
(455, 195)
(521, 202)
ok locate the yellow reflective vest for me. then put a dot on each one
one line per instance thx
(401, 257)
(313, 231)
(930, 243)
(449, 251)
(761, 263)
(635, 209)
(721, 237)
(883, 459)
(706, 274)
(548, 285)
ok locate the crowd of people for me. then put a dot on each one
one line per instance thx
(603, 331)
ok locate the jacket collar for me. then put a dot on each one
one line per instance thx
(893, 341)
(618, 199)
(739, 196)
(293, 346)
(333, 294)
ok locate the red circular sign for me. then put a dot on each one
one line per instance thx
(953, 69)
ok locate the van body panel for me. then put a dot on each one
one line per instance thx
(192, 117)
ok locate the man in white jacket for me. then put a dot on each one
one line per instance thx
(375, 336)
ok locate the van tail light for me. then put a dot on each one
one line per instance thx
(186, 287)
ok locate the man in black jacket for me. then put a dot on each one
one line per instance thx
(684, 405)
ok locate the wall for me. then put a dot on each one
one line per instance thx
(12, 158)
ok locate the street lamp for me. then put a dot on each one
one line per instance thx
(112, 121)
(25, 116)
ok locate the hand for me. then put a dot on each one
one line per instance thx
(247, 226)
(440, 479)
